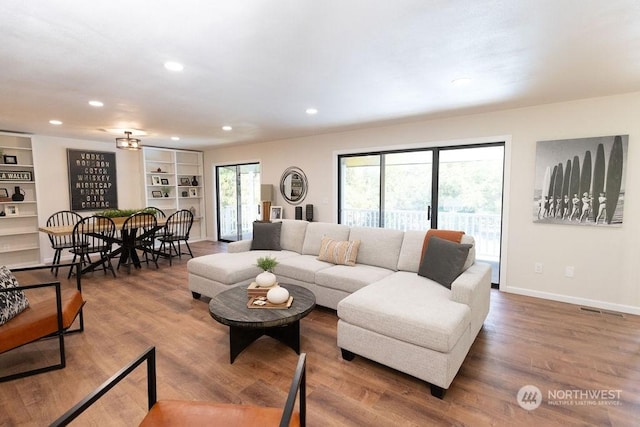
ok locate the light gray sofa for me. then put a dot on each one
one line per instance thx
(387, 312)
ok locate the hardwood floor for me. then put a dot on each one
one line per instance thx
(525, 341)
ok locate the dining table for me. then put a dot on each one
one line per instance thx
(126, 250)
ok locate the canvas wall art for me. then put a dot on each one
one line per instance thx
(581, 181)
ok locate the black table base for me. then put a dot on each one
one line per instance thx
(241, 338)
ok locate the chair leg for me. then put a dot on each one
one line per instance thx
(188, 247)
(71, 268)
(56, 261)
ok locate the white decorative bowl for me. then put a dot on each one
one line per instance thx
(265, 279)
(277, 295)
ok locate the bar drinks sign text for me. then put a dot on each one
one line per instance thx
(92, 180)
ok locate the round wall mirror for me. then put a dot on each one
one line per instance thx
(293, 185)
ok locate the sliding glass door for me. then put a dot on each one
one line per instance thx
(390, 190)
(470, 198)
(456, 188)
(238, 196)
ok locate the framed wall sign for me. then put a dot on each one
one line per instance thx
(16, 176)
(92, 180)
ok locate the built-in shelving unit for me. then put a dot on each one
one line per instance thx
(19, 236)
(173, 180)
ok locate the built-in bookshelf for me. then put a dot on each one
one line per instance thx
(173, 180)
(19, 235)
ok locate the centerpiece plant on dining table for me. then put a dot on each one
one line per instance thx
(118, 213)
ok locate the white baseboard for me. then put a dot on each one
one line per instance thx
(603, 305)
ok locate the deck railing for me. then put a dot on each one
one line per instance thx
(485, 228)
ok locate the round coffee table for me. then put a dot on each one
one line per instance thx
(248, 324)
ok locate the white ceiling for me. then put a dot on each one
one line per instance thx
(258, 64)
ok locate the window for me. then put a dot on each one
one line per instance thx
(457, 188)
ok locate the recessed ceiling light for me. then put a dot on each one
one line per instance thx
(175, 138)
(96, 103)
(311, 111)
(461, 81)
(173, 66)
(55, 122)
(227, 128)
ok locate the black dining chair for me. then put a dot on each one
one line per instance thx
(60, 243)
(157, 212)
(93, 235)
(175, 231)
(138, 232)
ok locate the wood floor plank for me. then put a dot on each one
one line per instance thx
(551, 345)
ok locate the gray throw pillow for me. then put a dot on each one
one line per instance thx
(443, 261)
(11, 303)
(266, 236)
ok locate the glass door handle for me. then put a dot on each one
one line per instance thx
(429, 213)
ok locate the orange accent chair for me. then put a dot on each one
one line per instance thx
(49, 318)
(191, 413)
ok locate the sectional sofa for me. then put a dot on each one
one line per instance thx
(387, 312)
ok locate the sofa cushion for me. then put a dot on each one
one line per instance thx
(11, 303)
(443, 261)
(451, 235)
(231, 268)
(350, 279)
(317, 230)
(266, 236)
(303, 268)
(409, 308)
(343, 252)
(379, 247)
(292, 236)
(410, 253)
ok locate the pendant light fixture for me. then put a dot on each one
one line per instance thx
(128, 143)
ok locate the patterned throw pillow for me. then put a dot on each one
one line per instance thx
(339, 252)
(11, 303)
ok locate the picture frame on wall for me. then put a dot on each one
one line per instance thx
(193, 192)
(581, 181)
(276, 212)
(156, 194)
(10, 160)
(156, 180)
(164, 181)
(12, 210)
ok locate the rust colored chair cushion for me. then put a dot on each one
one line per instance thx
(40, 320)
(191, 413)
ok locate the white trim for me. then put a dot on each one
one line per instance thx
(573, 300)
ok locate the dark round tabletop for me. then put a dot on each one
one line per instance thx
(230, 308)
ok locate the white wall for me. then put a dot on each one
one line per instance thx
(52, 178)
(603, 258)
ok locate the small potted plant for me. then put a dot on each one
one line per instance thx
(266, 278)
